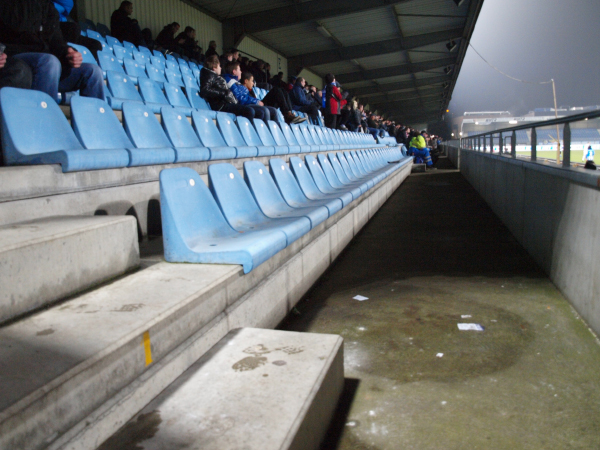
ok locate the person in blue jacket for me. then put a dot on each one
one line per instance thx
(301, 103)
(241, 85)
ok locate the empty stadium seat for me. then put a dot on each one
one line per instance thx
(323, 183)
(122, 89)
(145, 132)
(95, 35)
(210, 136)
(308, 186)
(156, 73)
(111, 41)
(172, 65)
(141, 58)
(240, 208)
(129, 46)
(291, 139)
(135, 68)
(264, 134)
(252, 139)
(282, 147)
(195, 231)
(159, 55)
(158, 63)
(197, 102)
(173, 77)
(232, 136)
(152, 94)
(121, 53)
(269, 199)
(183, 137)
(108, 61)
(146, 51)
(176, 98)
(190, 82)
(35, 131)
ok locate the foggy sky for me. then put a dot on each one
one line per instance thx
(532, 40)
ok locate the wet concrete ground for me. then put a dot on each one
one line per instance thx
(433, 254)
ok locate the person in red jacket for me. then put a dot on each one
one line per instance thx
(333, 101)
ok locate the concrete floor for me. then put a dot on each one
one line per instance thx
(434, 253)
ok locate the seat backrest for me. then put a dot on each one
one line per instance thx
(206, 129)
(288, 134)
(193, 96)
(142, 126)
(129, 46)
(151, 92)
(190, 82)
(122, 86)
(108, 61)
(188, 207)
(329, 172)
(87, 56)
(33, 123)
(102, 29)
(298, 134)
(232, 195)
(229, 131)
(196, 73)
(307, 136)
(248, 132)
(287, 184)
(276, 133)
(112, 41)
(95, 35)
(172, 65)
(178, 129)
(175, 95)
(145, 50)
(121, 52)
(158, 63)
(155, 73)
(95, 124)
(262, 185)
(173, 77)
(87, 25)
(263, 133)
(318, 139)
(303, 176)
(134, 68)
(337, 167)
(170, 57)
(141, 57)
(317, 172)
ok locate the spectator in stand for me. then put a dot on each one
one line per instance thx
(190, 44)
(301, 103)
(353, 123)
(31, 32)
(166, 38)
(260, 76)
(226, 58)
(212, 50)
(147, 36)
(236, 54)
(278, 97)
(123, 27)
(418, 149)
(214, 90)
(241, 85)
(333, 101)
(268, 71)
(71, 30)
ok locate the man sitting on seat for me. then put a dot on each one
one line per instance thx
(301, 103)
(31, 31)
(418, 149)
(214, 90)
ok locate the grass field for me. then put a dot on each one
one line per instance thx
(576, 155)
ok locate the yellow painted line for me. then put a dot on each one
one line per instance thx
(147, 347)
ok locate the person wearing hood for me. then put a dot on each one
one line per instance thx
(418, 148)
(241, 85)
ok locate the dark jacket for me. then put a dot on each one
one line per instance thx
(211, 51)
(298, 96)
(354, 118)
(214, 90)
(166, 37)
(31, 26)
(124, 28)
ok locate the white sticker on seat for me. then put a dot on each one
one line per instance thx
(44, 105)
(192, 182)
(231, 176)
(260, 171)
(102, 110)
(145, 114)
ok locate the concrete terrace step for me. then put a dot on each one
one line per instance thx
(47, 259)
(256, 389)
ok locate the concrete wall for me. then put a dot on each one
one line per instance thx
(453, 154)
(554, 213)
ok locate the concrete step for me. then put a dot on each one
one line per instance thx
(256, 389)
(48, 259)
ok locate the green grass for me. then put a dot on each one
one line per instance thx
(576, 155)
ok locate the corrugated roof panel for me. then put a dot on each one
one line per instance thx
(387, 60)
(232, 8)
(296, 39)
(359, 84)
(412, 26)
(336, 68)
(446, 7)
(429, 74)
(395, 79)
(363, 27)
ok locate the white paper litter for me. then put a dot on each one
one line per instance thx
(360, 298)
(439, 355)
(470, 327)
(465, 316)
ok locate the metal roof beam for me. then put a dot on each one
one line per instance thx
(307, 12)
(416, 106)
(403, 69)
(409, 95)
(387, 87)
(373, 48)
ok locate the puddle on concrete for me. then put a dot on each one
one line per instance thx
(249, 363)
(45, 332)
(134, 433)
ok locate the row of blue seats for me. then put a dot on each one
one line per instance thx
(35, 131)
(247, 220)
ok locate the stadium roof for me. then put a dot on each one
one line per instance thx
(393, 55)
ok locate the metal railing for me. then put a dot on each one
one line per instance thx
(475, 142)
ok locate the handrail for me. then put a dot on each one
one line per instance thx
(567, 120)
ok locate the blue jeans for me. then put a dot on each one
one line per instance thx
(264, 112)
(49, 77)
(376, 132)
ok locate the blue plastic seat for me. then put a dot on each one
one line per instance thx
(269, 199)
(323, 183)
(121, 53)
(336, 176)
(145, 132)
(158, 63)
(170, 57)
(129, 46)
(173, 77)
(282, 147)
(134, 68)
(108, 61)
(232, 136)
(210, 137)
(122, 88)
(197, 102)
(155, 73)
(159, 55)
(183, 63)
(102, 29)
(310, 189)
(196, 73)
(141, 58)
(183, 137)
(111, 41)
(87, 56)
(172, 65)
(35, 131)
(146, 51)
(251, 138)
(176, 98)
(345, 175)
(240, 208)
(190, 82)
(304, 145)
(291, 191)
(291, 139)
(308, 137)
(98, 128)
(193, 65)
(264, 134)
(95, 35)
(195, 231)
